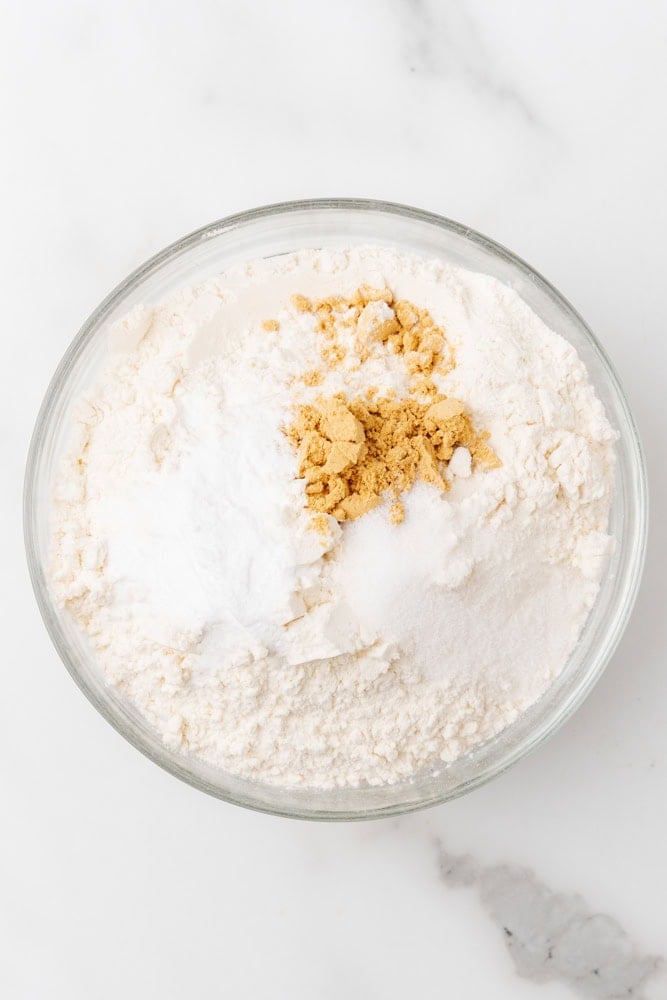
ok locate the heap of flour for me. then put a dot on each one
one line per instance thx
(360, 652)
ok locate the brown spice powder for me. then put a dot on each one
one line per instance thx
(312, 377)
(397, 513)
(320, 524)
(375, 318)
(352, 451)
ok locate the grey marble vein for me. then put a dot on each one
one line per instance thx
(442, 39)
(554, 936)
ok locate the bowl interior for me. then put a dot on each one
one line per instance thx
(282, 229)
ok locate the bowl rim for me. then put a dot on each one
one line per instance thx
(177, 249)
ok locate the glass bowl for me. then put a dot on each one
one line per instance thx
(279, 229)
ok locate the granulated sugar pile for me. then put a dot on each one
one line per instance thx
(336, 518)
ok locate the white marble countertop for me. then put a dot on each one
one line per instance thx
(129, 124)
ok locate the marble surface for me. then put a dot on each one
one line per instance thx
(128, 124)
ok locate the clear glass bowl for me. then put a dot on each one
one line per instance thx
(279, 229)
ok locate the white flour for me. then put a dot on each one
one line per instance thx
(182, 547)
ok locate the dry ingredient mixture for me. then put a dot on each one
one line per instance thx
(335, 518)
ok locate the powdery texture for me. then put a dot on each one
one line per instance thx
(352, 451)
(305, 653)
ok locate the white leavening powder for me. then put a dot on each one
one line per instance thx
(183, 548)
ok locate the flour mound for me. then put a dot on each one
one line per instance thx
(273, 639)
